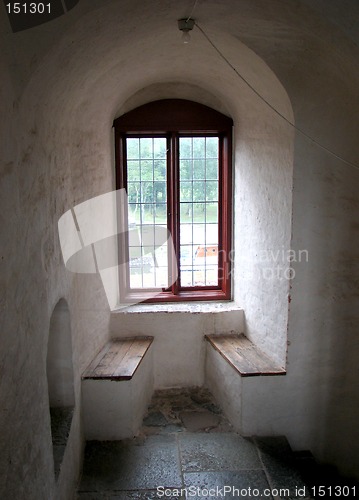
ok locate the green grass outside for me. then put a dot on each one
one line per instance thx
(161, 217)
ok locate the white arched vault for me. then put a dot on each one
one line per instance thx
(110, 65)
(65, 83)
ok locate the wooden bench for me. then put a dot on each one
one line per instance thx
(119, 359)
(117, 387)
(244, 356)
(233, 373)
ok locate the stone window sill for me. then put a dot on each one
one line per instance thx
(177, 307)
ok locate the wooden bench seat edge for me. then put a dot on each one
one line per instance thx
(244, 356)
(119, 359)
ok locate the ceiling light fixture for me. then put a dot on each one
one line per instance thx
(186, 25)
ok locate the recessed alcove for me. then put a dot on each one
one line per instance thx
(261, 198)
(60, 379)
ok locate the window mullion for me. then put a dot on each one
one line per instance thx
(173, 213)
(122, 221)
(176, 206)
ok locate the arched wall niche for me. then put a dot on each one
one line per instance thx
(59, 364)
(60, 381)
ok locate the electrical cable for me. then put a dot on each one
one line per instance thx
(194, 6)
(307, 136)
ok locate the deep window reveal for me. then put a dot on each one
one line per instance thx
(174, 158)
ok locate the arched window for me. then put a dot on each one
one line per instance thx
(173, 157)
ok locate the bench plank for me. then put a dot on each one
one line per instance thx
(243, 355)
(112, 358)
(132, 358)
(119, 359)
(97, 359)
(234, 356)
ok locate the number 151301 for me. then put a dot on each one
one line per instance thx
(28, 8)
(335, 491)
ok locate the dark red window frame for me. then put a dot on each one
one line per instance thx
(174, 118)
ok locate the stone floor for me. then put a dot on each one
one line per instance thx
(61, 419)
(187, 449)
(184, 410)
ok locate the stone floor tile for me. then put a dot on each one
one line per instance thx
(199, 420)
(61, 419)
(94, 495)
(187, 408)
(247, 484)
(155, 419)
(279, 462)
(129, 465)
(200, 396)
(58, 452)
(213, 408)
(216, 452)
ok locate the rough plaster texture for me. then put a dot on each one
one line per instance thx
(225, 385)
(114, 409)
(263, 183)
(63, 83)
(179, 348)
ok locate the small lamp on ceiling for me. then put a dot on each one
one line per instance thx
(186, 25)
